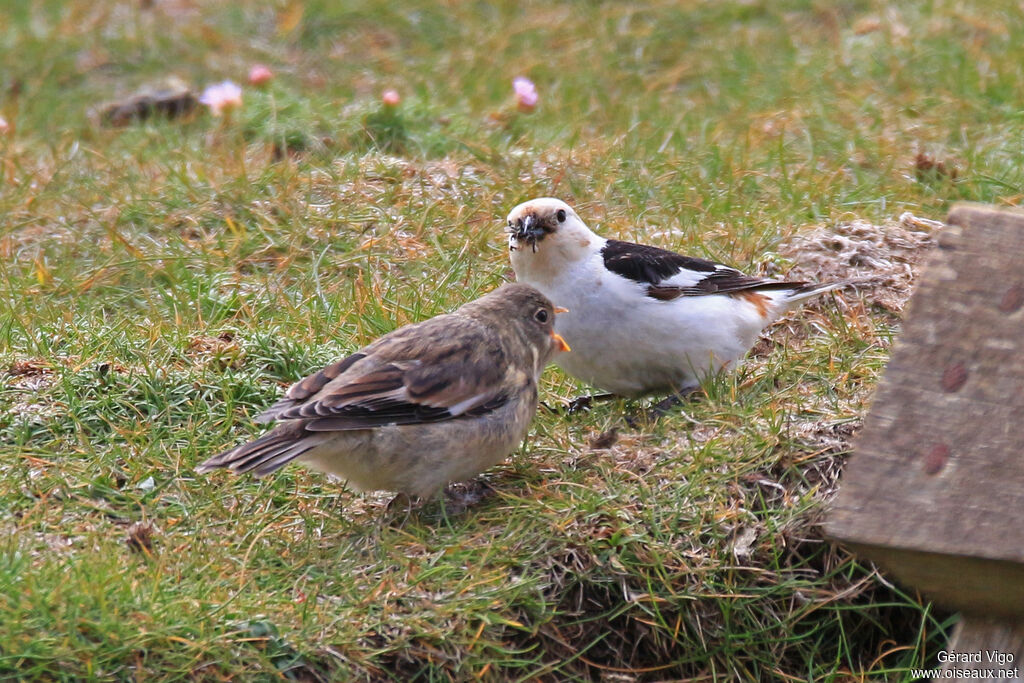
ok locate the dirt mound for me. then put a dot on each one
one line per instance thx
(882, 260)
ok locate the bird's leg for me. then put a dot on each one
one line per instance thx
(664, 406)
(400, 498)
(465, 495)
(395, 505)
(579, 403)
(585, 402)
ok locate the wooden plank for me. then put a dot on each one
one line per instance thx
(962, 583)
(991, 649)
(935, 488)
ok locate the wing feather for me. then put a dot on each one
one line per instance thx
(668, 275)
(452, 366)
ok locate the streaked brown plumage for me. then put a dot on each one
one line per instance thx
(427, 404)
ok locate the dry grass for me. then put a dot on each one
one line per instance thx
(164, 279)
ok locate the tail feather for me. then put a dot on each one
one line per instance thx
(772, 302)
(274, 462)
(814, 289)
(266, 454)
(249, 459)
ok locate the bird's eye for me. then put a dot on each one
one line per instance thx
(560, 215)
(541, 315)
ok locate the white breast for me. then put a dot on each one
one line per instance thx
(628, 343)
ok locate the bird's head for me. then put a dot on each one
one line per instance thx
(546, 235)
(527, 313)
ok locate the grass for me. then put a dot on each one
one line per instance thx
(162, 282)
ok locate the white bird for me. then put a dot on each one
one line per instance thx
(641, 320)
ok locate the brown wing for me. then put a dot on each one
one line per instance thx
(308, 386)
(440, 369)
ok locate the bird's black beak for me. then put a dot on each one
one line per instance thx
(528, 229)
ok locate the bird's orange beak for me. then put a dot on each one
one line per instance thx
(559, 342)
(559, 309)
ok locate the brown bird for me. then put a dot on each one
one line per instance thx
(427, 404)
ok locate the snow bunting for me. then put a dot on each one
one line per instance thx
(427, 404)
(641, 319)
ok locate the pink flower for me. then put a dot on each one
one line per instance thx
(391, 98)
(526, 93)
(260, 75)
(221, 97)
(4, 126)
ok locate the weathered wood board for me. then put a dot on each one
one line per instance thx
(934, 492)
(994, 647)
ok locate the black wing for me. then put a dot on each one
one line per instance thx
(648, 264)
(669, 275)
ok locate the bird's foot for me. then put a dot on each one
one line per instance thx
(461, 496)
(661, 408)
(579, 404)
(400, 499)
(400, 508)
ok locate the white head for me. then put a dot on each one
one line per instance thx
(545, 237)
